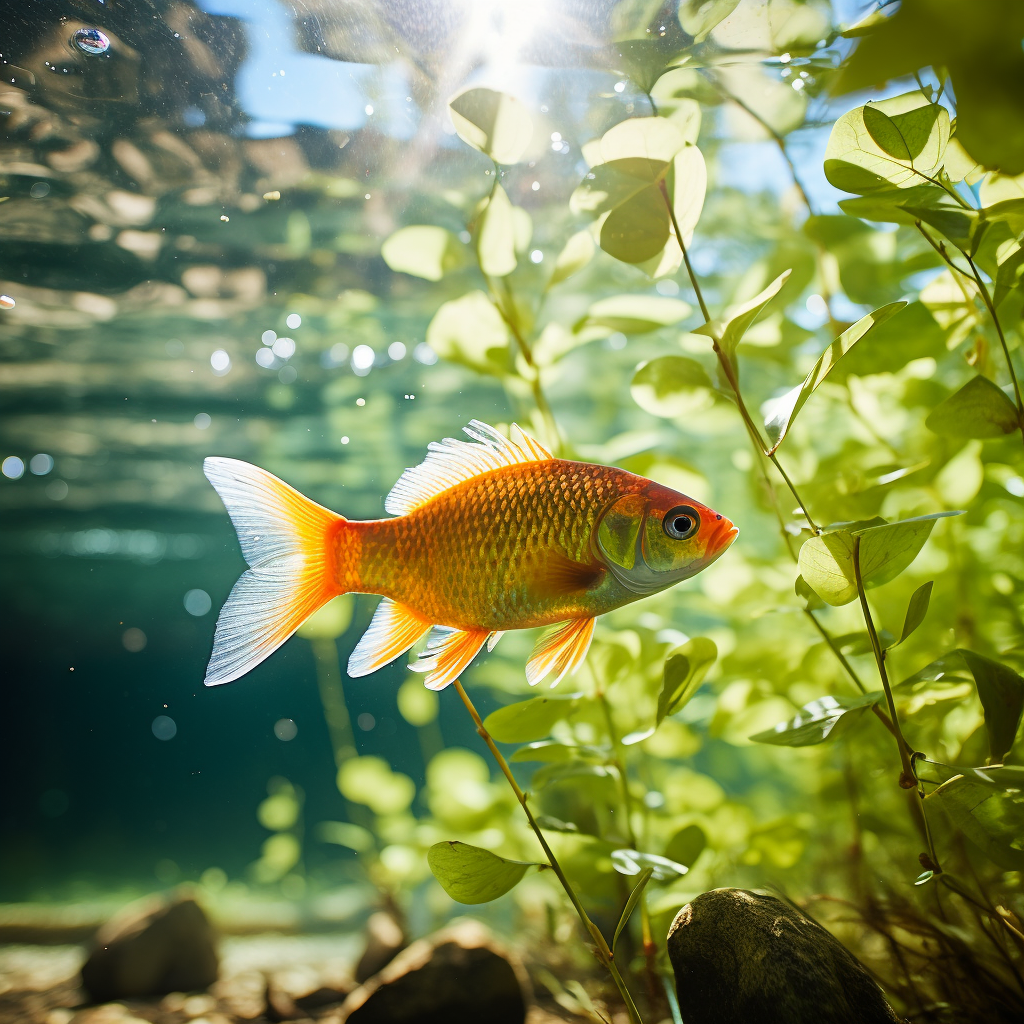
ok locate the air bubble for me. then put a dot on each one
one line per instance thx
(91, 41)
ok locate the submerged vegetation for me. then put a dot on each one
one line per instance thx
(833, 709)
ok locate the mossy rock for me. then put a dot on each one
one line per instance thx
(743, 957)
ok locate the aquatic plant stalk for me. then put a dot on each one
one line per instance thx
(908, 779)
(332, 697)
(604, 954)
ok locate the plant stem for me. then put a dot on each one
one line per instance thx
(604, 954)
(727, 368)
(940, 248)
(907, 778)
(649, 945)
(332, 697)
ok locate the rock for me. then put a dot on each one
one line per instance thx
(152, 947)
(457, 976)
(384, 940)
(742, 957)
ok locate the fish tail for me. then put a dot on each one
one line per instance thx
(291, 546)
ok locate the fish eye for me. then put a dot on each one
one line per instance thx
(681, 522)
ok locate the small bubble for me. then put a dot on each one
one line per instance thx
(91, 41)
(369, 110)
(202, 420)
(366, 721)
(360, 402)
(272, 197)
(164, 727)
(134, 640)
(175, 347)
(535, 186)
(197, 602)
(6, 302)
(620, 86)
(293, 320)
(424, 354)
(57, 490)
(265, 357)
(220, 362)
(536, 256)
(556, 136)
(396, 350)
(224, 217)
(284, 348)
(617, 340)
(287, 374)
(268, 337)
(367, 196)
(344, 439)
(40, 464)
(285, 729)
(39, 189)
(362, 357)
(13, 468)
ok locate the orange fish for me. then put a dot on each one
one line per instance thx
(489, 535)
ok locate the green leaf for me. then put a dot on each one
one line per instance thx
(493, 122)
(423, 251)
(552, 752)
(687, 184)
(369, 780)
(632, 862)
(651, 138)
(550, 824)
(782, 411)
(634, 314)
(672, 386)
(634, 899)
(898, 142)
(699, 17)
(887, 204)
(496, 236)
(916, 611)
(609, 185)
(687, 845)
(978, 409)
(685, 669)
(638, 229)
(826, 561)
(960, 226)
(344, 833)
(819, 720)
(732, 325)
(1001, 691)
(809, 597)
(574, 769)
(469, 330)
(530, 719)
(575, 255)
(987, 805)
(472, 875)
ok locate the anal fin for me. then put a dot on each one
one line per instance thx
(447, 654)
(393, 629)
(560, 651)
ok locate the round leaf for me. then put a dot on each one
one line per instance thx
(530, 719)
(469, 330)
(638, 229)
(978, 409)
(493, 122)
(575, 255)
(496, 236)
(423, 251)
(672, 386)
(472, 875)
(635, 314)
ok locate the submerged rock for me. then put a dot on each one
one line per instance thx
(152, 947)
(384, 941)
(742, 957)
(457, 976)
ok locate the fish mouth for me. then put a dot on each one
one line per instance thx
(725, 533)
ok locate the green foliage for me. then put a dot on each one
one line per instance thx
(885, 550)
(531, 720)
(685, 669)
(423, 251)
(634, 899)
(819, 720)
(494, 123)
(978, 409)
(1001, 691)
(472, 875)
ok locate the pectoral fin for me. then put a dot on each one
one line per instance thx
(555, 575)
(560, 651)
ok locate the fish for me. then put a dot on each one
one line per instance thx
(486, 535)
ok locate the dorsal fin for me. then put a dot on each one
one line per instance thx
(450, 462)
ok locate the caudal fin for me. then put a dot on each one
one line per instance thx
(286, 539)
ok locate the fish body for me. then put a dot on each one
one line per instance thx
(486, 537)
